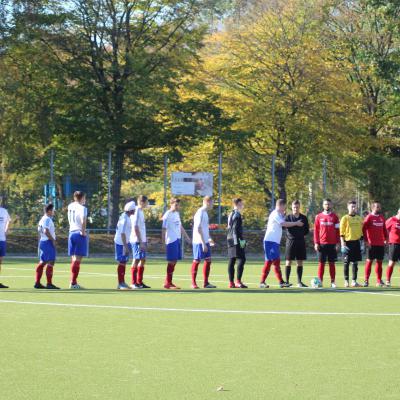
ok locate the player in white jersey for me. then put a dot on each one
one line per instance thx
(47, 248)
(4, 226)
(121, 240)
(138, 241)
(77, 241)
(172, 231)
(202, 243)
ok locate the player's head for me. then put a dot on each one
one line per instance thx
(80, 197)
(280, 205)
(175, 204)
(327, 205)
(208, 202)
(352, 207)
(376, 207)
(143, 201)
(130, 207)
(238, 203)
(296, 207)
(49, 210)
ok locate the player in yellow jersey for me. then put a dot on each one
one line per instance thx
(350, 238)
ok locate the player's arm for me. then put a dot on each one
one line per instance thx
(84, 223)
(7, 227)
(316, 234)
(306, 226)
(48, 234)
(364, 231)
(184, 233)
(342, 229)
(337, 228)
(287, 224)
(385, 232)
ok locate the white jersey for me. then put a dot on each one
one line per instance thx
(77, 213)
(172, 224)
(4, 219)
(138, 220)
(46, 223)
(201, 220)
(123, 226)
(274, 227)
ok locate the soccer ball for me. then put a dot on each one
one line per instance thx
(316, 283)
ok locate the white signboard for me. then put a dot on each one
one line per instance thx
(192, 183)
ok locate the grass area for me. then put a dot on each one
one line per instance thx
(155, 344)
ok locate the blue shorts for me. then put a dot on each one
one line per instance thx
(199, 254)
(174, 251)
(2, 248)
(77, 244)
(119, 253)
(137, 253)
(272, 251)
(47, 251)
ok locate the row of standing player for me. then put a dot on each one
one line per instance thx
(130, 238)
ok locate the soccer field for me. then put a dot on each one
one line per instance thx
(158, 344)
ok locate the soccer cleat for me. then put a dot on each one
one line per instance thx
(52, 287)
(3, 286)
(76, 286)
(366, 284)
(123, 286)
(285, 285)
(39, 286)
(388, 284)
(333, 285)
(346, 283)
(240, 285)
(232, 285)
(144, 286)
(263, 285)
(355, 284)
(135, 286)
(209, 286)
(380, 284)
(301, 285)
(171, 286)
(194, 286)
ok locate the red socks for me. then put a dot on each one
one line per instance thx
(121, 272)
(49, 274)
(368, 267)
(378, 270)
(195, 266)
(140, 272)
(277, 268)
(134, 272)
(39, 272)
(75, 267)
(206, 271)
(389, 272)
(170, 272)
(321, 270)
(332, 271)
(265, 271)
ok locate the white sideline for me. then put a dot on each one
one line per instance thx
(200, 310)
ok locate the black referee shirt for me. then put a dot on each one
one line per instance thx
(297, 232)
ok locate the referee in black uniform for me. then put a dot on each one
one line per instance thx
(295, 243)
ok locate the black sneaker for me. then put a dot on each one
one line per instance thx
(301, 284)
(366, 284)
(51, 286)
(144, 286)
(3, 286)
(39, 286)
(284, 284)
(240, 285)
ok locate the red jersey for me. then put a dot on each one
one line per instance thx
(393, 228)
(374, 230)
(326, 229)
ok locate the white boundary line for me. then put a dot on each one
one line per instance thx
(200, 310)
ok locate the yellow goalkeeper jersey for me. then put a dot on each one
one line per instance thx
(351, 227)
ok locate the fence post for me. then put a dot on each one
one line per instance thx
(324, 176)
(109, 192)
(219, 187)
(165, 182)
(273, 182)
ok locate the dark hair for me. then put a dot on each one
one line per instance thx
(296, 202)
(48, 207)
(174, 200)
(142, 198)
(79, 195)
(281, 202)
(236, 201)
(375, 202)
(327, 199)
(351, 202)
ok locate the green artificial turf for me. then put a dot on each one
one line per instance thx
(175, 346)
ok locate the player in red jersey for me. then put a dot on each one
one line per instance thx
(375, 236)
(393, 228)
(326, 240)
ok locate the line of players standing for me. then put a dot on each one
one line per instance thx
(330, 235)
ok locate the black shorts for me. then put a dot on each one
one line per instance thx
(354, 252)
(295, 250)
(327, 252)
(376, 253)
(394, 252)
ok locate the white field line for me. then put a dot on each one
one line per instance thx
(203, 310)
